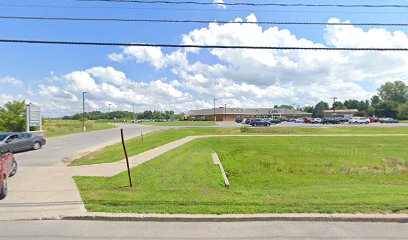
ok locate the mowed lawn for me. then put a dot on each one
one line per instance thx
(55, 128)
(267, 175)
(152, 140)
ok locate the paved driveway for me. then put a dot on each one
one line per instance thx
(43, 188)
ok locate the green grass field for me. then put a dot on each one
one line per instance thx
(152, 140)
(55, 128)
(267, 175)
(180, 123)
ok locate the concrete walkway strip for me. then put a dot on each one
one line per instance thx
(215, 158)
(217, 161)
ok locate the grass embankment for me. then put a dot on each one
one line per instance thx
(155, 139)
(55, 128)
(180, 123)
(267, 175)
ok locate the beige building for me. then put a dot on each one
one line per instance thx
(230, 114)
(344, 113)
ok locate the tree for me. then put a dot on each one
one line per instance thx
(375, 100)
(403, 111)
(308, 109)
(338, 105)
(319, 108)
(394, 91)
(386, 109)
(180, 116)
(12, 117)
(286, 106)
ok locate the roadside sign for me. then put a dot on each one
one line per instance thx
(33, 117)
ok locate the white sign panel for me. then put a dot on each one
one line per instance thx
(33, 117)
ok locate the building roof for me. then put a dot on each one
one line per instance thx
(341, 111)
(244, 111)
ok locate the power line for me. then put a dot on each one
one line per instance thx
(195, 21)
(196, 46)
(254, 4)
(195, 9)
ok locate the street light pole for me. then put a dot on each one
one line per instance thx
(334, 106)
(215, 118)
(225, 112)
(83, 111)
(133, 109)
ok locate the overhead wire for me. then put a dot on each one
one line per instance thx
(198, 46)
(194, 9)
(197, 21)
(253, 4)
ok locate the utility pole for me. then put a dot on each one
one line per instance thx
(215, 118)
(334, 106)
(83, 111)
(225, 112)
(294, 110)
(133, 109)
(109, 117)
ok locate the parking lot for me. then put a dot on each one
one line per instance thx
(315, 125)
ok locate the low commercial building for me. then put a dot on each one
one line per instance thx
(344, 113)
(230, 114)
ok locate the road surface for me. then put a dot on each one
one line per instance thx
(226, 230)
(42, 188)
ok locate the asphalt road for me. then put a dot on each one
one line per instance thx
(59, 148)
(225, 230)
(42, 187)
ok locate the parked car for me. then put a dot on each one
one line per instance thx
(316, 120)
(284, 119)
(248, 120)
(260, 122)
(388, 120)
(343, 120)
(8, 168)
(15, 142)
(238, 120)
(299, 120)
(331, 121)
(373, 119)
(359, 120)
(307, 120)
(275, 121)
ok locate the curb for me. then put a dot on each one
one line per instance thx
(243, 218)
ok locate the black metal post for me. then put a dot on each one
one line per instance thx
(127, 159)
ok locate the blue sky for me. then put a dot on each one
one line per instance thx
(43, 73)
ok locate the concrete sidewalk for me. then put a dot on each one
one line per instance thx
(315, 217)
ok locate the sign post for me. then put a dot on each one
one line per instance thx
(34, 117)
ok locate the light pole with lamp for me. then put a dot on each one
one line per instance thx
(133, 110)
(83, 111)
(225, 112)
(109, 116)
(215, 118)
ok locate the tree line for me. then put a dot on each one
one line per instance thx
(390, 101)
(147, 115)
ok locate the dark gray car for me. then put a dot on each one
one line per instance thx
(16, 142)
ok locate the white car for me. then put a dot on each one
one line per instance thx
(359, 120)
(316, 120)
(299, 120)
